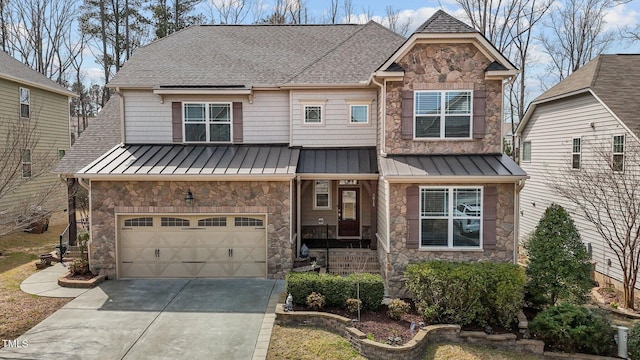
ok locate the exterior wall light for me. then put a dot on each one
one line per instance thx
(189, 198)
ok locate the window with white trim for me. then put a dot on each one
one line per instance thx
(25, 103)
(359, 114)
(313, 114)
(450, 217)
(207, 122)
(26, 163)
(576, 151)
(322, 195)
(526, 151)
(618, 153)
(442, 114)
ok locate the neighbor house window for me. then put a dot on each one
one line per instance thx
(526, 151)
(322, 195)
(26, 163)
(575, 153)
(450, 217)
(25, 103)
(313, 114)
(618, 153)
(442, 114)
(359, 114)
(207, 122)
(61, 153)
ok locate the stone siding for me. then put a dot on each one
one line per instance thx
(394, 263)
(444, 67)
(159, 197)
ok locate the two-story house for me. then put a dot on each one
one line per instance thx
(34, 128)
(241, 145)
(587, 124)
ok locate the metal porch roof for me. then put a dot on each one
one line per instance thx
(355, 161)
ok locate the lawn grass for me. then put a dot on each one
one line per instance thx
(20, 311)
(307, 343)
(476, 352)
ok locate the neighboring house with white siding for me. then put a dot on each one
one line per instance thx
(34, 133)
(241, 144)
(593, 112)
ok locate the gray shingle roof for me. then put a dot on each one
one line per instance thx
(614, 79)
(14, 70)
(254, 55)
(490, 165)
(102, 134)
(441, 22)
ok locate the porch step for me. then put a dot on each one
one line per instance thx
(345, 262)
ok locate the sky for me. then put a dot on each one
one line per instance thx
(420, 10)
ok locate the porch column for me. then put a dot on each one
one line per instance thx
(72, 189)
(298, 216)
(373, 192)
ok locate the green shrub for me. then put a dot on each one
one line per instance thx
(337, 288)
(397, 308)
(315, 301)
(633, 342)
(573, 328)
(353, 305)
(463, 293)
(79, 267)
(559, 266)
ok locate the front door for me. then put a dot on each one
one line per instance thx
(348, 212)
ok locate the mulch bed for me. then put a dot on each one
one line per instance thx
(80, 277)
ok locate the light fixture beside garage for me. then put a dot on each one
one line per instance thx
(189, 198)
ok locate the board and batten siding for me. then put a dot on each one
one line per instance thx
(148, 121)
(309, 216)
(50, 117)
(335, 129)
(551, 130)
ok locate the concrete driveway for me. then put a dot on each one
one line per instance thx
(158, 319)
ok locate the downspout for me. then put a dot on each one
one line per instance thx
(122, 133)
(298, 217)
(516, 218)
(383, 90)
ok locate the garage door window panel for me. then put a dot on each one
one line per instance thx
(172, 221)
(246, 221)
(142, 221)
(214, 221)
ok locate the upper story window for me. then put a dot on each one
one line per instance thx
(576, 150)
(618, 153)
(26, 163)
(442, 114)
(207, 122)
(359, 114)
(450, 217)
(526, 151)
(25, 103)
(313, 114)
(322, 195)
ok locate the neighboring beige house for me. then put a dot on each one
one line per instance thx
(242, 145)
(34, 128)
(594, 110)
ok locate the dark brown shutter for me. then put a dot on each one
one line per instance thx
(237, 122)
(489, 217)
(407, 115)
(176, 121)
(413, 217)
(479, 106)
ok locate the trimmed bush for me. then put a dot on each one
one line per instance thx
(397, 308)
(464, 293)
(633, 342)
(337, 288)
(315, 301)
(573, 328)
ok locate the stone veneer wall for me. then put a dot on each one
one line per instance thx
(394, 263)
(110, 198)
(444, 67)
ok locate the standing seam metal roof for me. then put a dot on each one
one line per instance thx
(450, 165)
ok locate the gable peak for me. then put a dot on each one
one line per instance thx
(441, 22)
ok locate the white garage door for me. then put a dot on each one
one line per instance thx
(192, 246)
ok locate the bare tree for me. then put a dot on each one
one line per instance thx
(575, 35)
(230, 11)
(392, 17)
(332, 13)
(606, 190)
(347, 9)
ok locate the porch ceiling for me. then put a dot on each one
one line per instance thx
(352, 163)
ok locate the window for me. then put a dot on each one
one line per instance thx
(61, 153)
(26, 163)
(247, 221)
(143, 221)
(575, 154)
(442, 114)
(322, 192)
(526, 151)
(359, 114)
(25, 103)
(313, 114)
(207, 122)
(618, 153)
(450, 217)
(216, 221)
(171, 221)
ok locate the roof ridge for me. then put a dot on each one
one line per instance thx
(328, 52)
(20, 63)
(596, 73)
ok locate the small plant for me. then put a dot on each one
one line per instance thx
(79, 267)
(315, 301)
(614, 305)
(633, 342)
(397, 308)
(353, 305)
(371, 337)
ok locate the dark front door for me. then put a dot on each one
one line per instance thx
(348, 212)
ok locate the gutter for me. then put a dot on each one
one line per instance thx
(169, 177)
(454, 179)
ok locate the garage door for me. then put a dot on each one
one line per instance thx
(192, 246)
